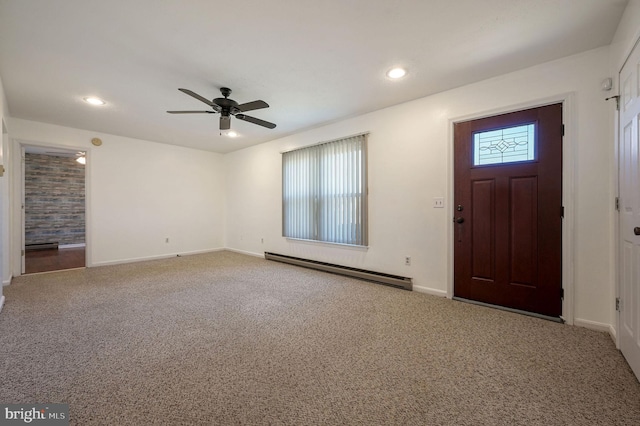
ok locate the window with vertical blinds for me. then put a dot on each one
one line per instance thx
(324, 192)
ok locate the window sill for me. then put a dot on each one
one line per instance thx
(328, 244)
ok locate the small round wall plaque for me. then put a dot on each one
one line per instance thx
(96, 141)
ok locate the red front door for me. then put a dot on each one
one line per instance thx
(508, 210)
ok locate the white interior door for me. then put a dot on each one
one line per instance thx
(22, 216)
(629, 292)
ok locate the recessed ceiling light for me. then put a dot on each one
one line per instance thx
(94, 101)
(231, 134)
(396, 73)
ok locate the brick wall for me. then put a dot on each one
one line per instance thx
(54, 200)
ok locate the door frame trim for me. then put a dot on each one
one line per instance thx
(568, 198)
(18, 223)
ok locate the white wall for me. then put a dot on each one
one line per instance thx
(138, 194)
(626, 35)
(410, 163)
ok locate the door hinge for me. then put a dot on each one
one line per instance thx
(562, 212)
(563, 130)
(22, 253)
(618, 304)
(562, 293)
(618, 203)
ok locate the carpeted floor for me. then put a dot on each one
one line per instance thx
(225, 339)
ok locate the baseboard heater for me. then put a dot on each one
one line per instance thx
(41, 246)
(379, 277)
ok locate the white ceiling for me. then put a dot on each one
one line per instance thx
(314, 62)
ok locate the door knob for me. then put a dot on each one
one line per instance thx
(461, 220)
(636, 230)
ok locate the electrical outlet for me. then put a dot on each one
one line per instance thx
(407, 260)
(438, 202)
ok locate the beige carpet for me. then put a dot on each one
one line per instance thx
(224, 339)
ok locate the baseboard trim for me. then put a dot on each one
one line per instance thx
(248, 253)
(66, 246)
(7, 282)
(430, 291)
(1, 302)
(593, 325)
(613, 334)
(159, 257)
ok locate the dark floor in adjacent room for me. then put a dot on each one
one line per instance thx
(54, 259)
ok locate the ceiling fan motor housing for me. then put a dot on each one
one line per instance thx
(228, 105)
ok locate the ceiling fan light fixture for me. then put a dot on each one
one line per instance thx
(396, 73)
(94, 101)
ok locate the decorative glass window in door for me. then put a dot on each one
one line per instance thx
(508, 145)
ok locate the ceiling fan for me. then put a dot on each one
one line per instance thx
(227, 107)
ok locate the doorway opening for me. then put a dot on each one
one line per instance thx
(53, 209)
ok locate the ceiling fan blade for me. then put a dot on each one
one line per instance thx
(250, 106)
(190, 112)
(225, 122)
(255, 121)
(198, 97)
